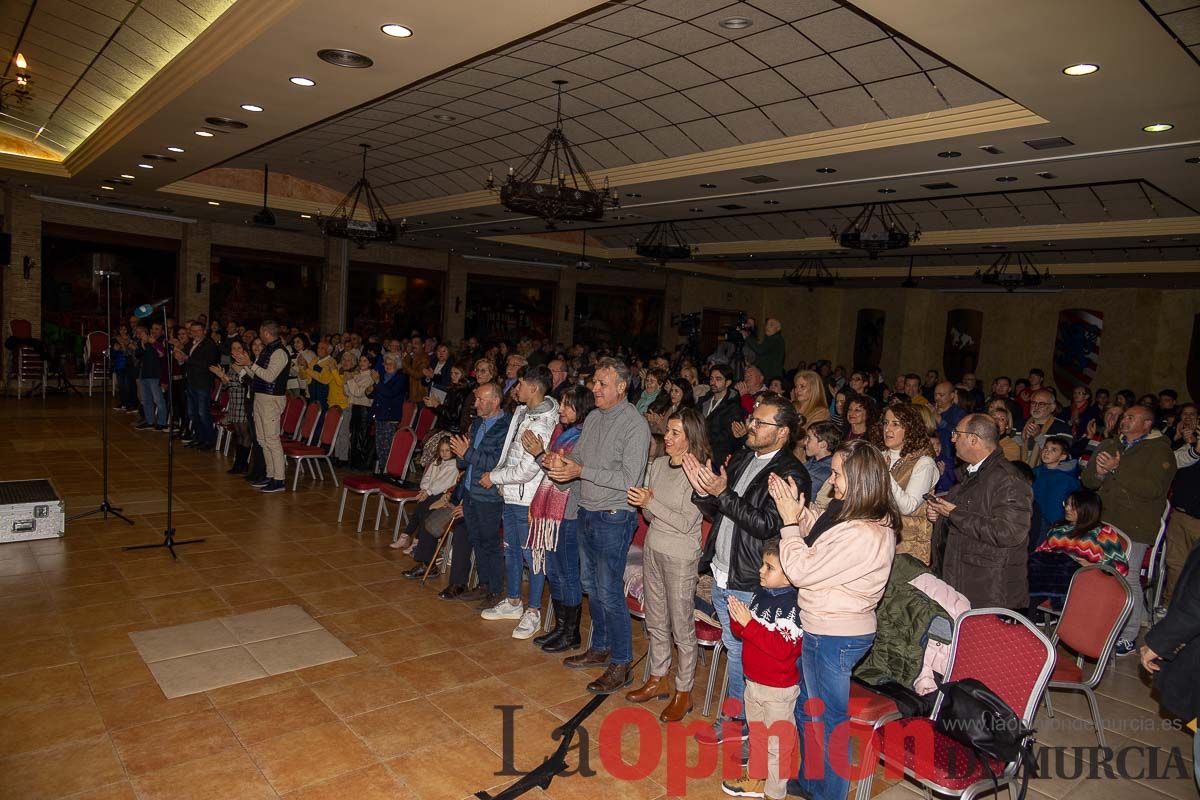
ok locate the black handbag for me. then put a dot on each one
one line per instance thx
(973, 715)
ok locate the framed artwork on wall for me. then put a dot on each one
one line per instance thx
(960, 352)
(868, 338)
(1077, 348)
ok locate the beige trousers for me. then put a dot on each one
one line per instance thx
(1183, 532)
(268, 408)
(669, 586)
(770, 705)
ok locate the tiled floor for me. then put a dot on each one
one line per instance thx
(412, 715)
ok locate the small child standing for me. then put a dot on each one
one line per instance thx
(772, 641)
(1053, 480)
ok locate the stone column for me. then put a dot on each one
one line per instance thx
(195, 259)
(335, 283)
(455, 316)
(22, 293)
(564, 310)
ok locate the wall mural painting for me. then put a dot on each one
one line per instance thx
(1077, 348)
(868, 338)
(960, 353)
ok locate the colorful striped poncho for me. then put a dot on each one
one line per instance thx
(1100, 545)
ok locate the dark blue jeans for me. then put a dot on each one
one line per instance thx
(562, 565)
(198, 402)
(517, 556)
(606, 536)
(154, 405)
(483, 533)
(826, 664)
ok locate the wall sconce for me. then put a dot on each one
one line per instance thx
(457, 304)
(200, 279)
(28, 264)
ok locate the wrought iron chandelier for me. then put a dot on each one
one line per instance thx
(811, 273)
(663, 243)
(1013, 271)
(21, 84)
(552, 185)
(876, 228)
(345, 222)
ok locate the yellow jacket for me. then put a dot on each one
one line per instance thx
(334, 379)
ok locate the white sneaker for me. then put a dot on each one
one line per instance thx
(530, 624)
(505, 609)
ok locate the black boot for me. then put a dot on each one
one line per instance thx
(241, 461)
(569, 639)
(559, 624)
(258, 466)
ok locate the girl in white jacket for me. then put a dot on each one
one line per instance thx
(438, 479)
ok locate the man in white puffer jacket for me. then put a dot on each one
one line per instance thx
(518, 476)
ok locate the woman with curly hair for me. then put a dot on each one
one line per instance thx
(904, 439)
(808, 396)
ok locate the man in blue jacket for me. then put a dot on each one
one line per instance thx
(478, 453)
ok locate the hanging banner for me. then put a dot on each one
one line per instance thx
(1077, 348)
(960, 352)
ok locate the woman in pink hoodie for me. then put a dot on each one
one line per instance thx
(839, 563)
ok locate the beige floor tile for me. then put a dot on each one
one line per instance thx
(50, 685)
(175, 641)
(228, 775)
(57, 773)
(137, 705)
(300, 758)
(372, 783)
(363, 691)
(282, 620)
(269, 715)
(158, 745)
(38, 728)
(298, 651)
(201, 672)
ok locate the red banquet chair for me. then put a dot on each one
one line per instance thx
(1098, 603)
(289, 422)
(93, 355)
(313, 454)
(1010, 656)
(399, 456)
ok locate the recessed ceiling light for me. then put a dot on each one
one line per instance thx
(344, 58)
(251, 107)
(887, 191)
(708, 186)
(300, 80)
(1192, 160)
(771, 202)
(306, 216)
(205, 134)
(633, 194)
(128, 177)
(445, 117)
(736, 23)
(696, 210)
(175, 149)
(1076, 70)
(213, 203)
(398, 31)
(107, 188)
(146, 166)
(826, 170)
(1047, 175)
(1005, 179)
(1047, 244)
(1178, 238)
(1157, 127)
(949, 154)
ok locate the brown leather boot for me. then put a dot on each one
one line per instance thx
(615, 678)
(587, 659)
(657, 688)
(678, 708)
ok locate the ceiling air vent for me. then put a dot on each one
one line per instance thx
(760, 179)
(1049, 143)
(226, 122)
(991, 148)
(157, 157)
(731, 207)
(939, 186)
(344, 58)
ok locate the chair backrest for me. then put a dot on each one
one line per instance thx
(1098, 602)
(424, 423)
(408, 413)
(94, 347)
(330, 426)
(292, 410)
(400, 453)
(639, 535)
(1153, 563)
(21, 328)
(308, 424)
(1006, 653)
(705, 531)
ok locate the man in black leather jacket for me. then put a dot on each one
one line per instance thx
(721, 408)
(744, 519)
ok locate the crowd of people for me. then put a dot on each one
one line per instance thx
(783, 500)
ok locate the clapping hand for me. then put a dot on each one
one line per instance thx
(242, 358)
(739, 428)
(639, 496)
(532, 443)
(459, 445)
(738, 611)
(1107, 462)
(704, 481)
(562, 469)
(788, 499)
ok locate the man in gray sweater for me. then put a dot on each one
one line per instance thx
(610, 457)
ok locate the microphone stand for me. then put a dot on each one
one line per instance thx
(168, 534)
(105, 506)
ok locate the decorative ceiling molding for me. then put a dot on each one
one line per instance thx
(991, 116)
(39, 166)
(243, 22)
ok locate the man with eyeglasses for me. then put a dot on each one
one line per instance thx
(1042, 424)
(744, 519)
(981, 526)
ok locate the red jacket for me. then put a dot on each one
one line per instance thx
(772, 640)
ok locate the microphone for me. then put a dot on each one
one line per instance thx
(146, 309)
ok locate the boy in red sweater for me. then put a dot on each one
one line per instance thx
(771, 643)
